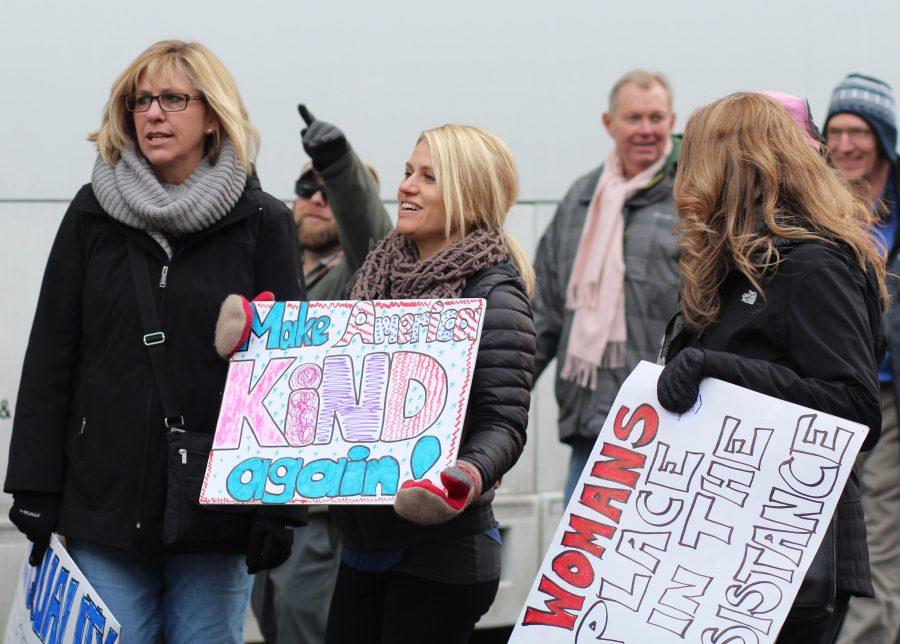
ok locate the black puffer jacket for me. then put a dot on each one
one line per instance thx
(814, 337)
(494, 432)
(88, 423)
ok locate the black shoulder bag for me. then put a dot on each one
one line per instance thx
(187, 526)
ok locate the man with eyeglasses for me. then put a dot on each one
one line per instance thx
(861, 134)
(338, 213)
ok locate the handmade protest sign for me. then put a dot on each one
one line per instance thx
(692, 528)
(341, 402)
(55, 603)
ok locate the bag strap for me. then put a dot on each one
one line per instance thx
(154, 339)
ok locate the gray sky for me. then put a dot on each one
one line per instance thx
(535, 73)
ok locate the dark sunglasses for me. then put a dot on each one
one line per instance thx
(306, 188)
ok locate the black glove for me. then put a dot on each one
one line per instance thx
(323, 142)
(270, 543)
(35, 515)
(679, 383)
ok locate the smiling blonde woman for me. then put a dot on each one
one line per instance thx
(429, 568)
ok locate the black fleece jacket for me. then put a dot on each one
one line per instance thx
(814, 337)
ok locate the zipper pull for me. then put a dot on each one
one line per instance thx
(163, 276)
(83, 423)
(183, 453)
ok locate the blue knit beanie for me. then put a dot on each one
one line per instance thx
(872, 100)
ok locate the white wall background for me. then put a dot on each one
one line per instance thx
(537, 73)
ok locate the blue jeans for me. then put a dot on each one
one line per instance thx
(581, 450)
(185, 597)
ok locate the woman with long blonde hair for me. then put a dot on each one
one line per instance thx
(121, 385)
(783, 294)
(427, 569)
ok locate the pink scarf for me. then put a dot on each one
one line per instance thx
(596, 290)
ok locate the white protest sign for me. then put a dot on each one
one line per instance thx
(55, 603)
(692, 528)
(341, 402)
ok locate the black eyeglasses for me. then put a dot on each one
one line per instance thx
(169, 102)
(307, 188)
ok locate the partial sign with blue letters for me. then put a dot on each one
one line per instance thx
(55, 603)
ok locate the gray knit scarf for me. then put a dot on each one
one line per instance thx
(130, 193)
(393, 269)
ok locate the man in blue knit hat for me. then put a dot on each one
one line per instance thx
(861, 133)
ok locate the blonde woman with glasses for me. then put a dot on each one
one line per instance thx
(121, 383)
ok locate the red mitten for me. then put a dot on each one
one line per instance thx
(424, 503)
(235, 319)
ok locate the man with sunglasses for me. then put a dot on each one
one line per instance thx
(861, 134)
(338, 213)
(317, 230)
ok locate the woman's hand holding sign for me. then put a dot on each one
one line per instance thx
(235, 320)
(679, 383)
(425, 503)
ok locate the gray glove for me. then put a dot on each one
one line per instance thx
(323, 142)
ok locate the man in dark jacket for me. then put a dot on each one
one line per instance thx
(861, 133)
(338, 213)
(640, 122)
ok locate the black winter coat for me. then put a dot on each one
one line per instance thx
(496, 418)
(814, 337)
(88, 423)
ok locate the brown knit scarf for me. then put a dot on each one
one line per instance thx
(393, 270)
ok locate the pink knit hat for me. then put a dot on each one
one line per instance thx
(799, 111)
